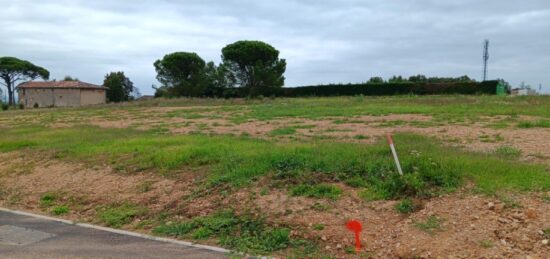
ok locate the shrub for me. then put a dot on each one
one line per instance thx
(5, 106)
(21, 106)
(35, 105)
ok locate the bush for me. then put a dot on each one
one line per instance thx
(21, 106)
(35, 105)
(5, 106)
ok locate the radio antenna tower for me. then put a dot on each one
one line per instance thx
(485, 58)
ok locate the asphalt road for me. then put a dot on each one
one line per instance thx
(30, 237)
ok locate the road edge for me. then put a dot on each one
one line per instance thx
(118, 231)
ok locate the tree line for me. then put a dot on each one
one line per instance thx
(250, 67)
(247, 68)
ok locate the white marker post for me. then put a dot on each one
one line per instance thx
(394, 153)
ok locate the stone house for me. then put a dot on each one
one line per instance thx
(60, 94)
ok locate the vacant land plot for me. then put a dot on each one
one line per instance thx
(282, 176)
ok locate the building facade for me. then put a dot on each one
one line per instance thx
(60, 94)
(523, 91)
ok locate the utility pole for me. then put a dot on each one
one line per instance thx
(485, 59)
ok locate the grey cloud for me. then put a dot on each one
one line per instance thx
(323, 41)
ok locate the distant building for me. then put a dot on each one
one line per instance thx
(523, 91)
(60, 94)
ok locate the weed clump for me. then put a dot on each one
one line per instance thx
(60, 210)
(534, 124)
(507, 152)
(119, 215)
(430, 225)
(242, 233)
(317, 191)
(406, 206)
(282, 131)
(48, 199)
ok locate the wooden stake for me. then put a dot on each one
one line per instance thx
(394, 153)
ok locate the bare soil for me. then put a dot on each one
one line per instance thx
(472, 226)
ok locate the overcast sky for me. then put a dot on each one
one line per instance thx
(322, 41)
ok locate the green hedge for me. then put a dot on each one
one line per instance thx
(377, 89)
(374, 89)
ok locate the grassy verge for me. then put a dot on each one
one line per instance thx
(244, 233)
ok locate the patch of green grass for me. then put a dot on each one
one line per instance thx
(450, 108)
(356, 181)
(289, 130)
(370, 194)
(264, 191)
(282, 131)
(546, 233)
(119, 215)
(242, 233)
(317, 191)
(392, 123)
(349, 250)
(534, 124)
(507, 152)
(60, 210)
(48, 199)
(318, 226)
(486, 243)
(360, 137)
(237, 161)
(405, 206)
(430, 225)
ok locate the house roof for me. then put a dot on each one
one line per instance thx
(60, 84)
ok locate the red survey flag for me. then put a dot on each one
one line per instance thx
(356, 227)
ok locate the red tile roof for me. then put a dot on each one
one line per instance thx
(60, 84)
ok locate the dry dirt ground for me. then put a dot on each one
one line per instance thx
(479, 135)
(471, 226)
